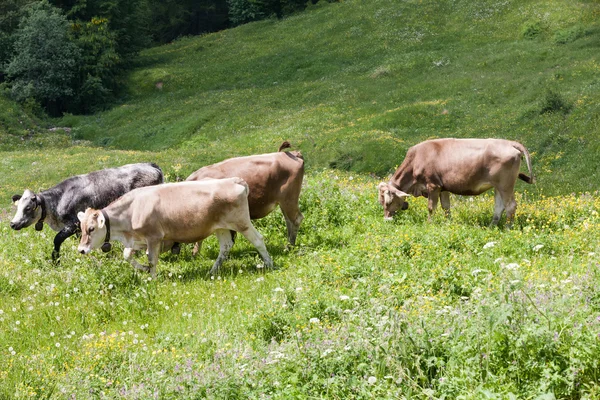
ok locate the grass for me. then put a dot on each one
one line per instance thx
(360, 308)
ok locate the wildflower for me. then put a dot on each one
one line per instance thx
(51, 334)
(57, 345)
(538, 247)
(489, 244)
(278, 289)
(372, 380)
(314, 320)
(344, 297)
(511, 266)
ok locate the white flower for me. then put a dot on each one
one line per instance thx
(511, 266)
(57, 344)
(344, 297)
(110, 286)
(489, 244)
(372, 380)
(538, 247)
(314, 320)
(278, 289)
(298, 289)
(51, 333)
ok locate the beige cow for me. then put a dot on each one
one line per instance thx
(436, 168)
(183, 212)
(273, 178)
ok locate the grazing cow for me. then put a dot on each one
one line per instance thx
(59, 205)
(436, 168)
(273, 178)
(183, 212)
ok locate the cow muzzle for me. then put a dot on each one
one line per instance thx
(16, 226)
(388, 218)
(84, 250)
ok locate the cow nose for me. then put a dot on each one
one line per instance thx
(12, 225)
(82, 251)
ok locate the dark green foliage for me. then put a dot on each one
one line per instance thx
(99, 65)
(175, 18)
(243, 11)
(11, 12)
(42, 67)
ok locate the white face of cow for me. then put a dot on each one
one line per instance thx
(29, 210)
(93, 230)
(392, 200)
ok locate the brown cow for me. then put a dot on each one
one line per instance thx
(436, 168)
(183, 212)
(273, 178)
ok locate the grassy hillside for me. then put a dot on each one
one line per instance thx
(360, 308)
(356, 83)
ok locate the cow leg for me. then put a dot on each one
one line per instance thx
(293, 219)
(445, 200)
(510, 205)
(498, 207)
(256, 239)
(225, 245)
(60, 237)
(128, 255)
(153, 252)
(433, 197)
(197, 247)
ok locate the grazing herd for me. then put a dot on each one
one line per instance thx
(131, 203)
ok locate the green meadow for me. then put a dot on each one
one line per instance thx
(360, 308)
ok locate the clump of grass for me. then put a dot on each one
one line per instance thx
(554, 102)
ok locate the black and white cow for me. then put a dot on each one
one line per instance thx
(59, 205)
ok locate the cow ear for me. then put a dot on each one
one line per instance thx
(398, 193)
(101, 220)
(16, 197)
(81, 216)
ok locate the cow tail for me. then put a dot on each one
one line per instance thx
(160, 173)
(529, 179)
(285, 145)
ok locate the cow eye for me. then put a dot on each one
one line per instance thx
(91, 229)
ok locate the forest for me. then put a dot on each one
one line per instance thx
(71, 56)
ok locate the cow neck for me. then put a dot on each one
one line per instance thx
(42, 203)
(106, 246)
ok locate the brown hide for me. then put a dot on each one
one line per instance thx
(273, 178)
(435, 168)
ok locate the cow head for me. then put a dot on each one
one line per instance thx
(29, 210)
(392, 200)
(93, 230)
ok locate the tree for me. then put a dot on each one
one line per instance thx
(44, 63)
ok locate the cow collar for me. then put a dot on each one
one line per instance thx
(106, 246)
(39, 200)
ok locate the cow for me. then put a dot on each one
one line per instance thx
(436, 168)
(184, 212)
(273, 178)
(59, 205)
